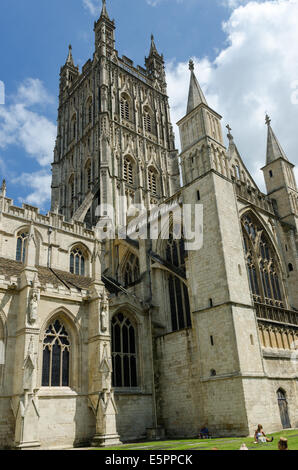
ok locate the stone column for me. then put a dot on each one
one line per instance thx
(101, 397)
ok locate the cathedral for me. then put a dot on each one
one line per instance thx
(115, 327)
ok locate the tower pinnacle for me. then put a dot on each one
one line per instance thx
(104, 9)
(195, 96)
(274, 149)
(69, 59)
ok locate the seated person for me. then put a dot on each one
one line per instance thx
(204, 433)
(260, 436)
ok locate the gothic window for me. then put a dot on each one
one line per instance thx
(124, 354)
(131, 270)
(124, 108)
(22, 241)
(262, 264)
(73, 127)
(71, 189)
(77, 261)
(89, 111)
(88, 176)
(178, 292)
(152, 180)
(56, 355)
(147, 120)
(128, 171)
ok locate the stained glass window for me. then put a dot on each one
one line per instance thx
(124, 356)
(22, 241)
(178, 292)
(56, 351)
(262, 264)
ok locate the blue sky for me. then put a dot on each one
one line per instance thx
(245, 54)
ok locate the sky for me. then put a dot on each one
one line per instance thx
(245, 54)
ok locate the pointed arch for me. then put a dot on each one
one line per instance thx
(152, 180)
(174, 254)
(60, 345)
(263, 263)
(125, 106)
(124, 350)
(130, 269)
(129, 169)
(78, 258)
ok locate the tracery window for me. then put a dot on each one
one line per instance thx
(88, 176)
(124, 353)
(178, 292)
(124, 108)
(73, 127)
(89, 111)
(77, 261)
(22, 241)
(152, 181)
(56, 356)
(262, 264)
(147, 121)
(131, 270)
(128, 173)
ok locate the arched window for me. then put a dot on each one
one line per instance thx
(147, 120)
(124, 108)
(88, 176)
(262, 264)
(56, 355)
(128, 172)
(22, 241)
(178, 292)
(89, 111)
(124, 353)
(77, 261)
(73, 127)
(131, 270)
(152, 180)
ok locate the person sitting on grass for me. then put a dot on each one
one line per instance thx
(260, 436)
(283, 444)
(204, 433)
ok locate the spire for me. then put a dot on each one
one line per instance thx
(104, 12)
(274, 149)
(195, 96)
(69, 60)
(153, 46)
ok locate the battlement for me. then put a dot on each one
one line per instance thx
(30, 213)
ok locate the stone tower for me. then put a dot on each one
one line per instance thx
(115, 140)
(281, 187)
(223, 317)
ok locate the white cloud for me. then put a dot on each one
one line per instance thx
(34, 133)
(40, 187)
(26, 128)
(93, 6)
(254, 74)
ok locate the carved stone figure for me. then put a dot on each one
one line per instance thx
(33, 305)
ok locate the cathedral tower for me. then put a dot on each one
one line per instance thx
(115, 140)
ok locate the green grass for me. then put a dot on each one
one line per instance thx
(228, 443)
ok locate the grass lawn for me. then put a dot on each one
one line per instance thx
(228, 443)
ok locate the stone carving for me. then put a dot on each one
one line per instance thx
(104, 314)
(33, 302)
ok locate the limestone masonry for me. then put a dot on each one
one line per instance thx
(105, 340)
